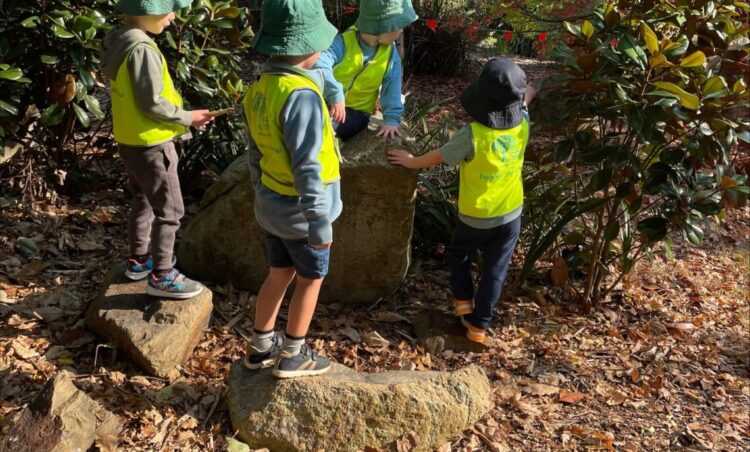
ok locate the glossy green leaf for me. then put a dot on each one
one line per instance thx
(81, 115)
(687, 100)
(11, 74)
(633, 51)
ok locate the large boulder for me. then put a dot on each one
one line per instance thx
(372, 238)
(60, 419)
(158, 334)
(344, 410)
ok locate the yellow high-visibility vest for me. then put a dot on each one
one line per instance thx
(263, 104)
(131, 126)
(491, 184)
(361, 81)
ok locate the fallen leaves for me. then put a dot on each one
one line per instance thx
(571, 397)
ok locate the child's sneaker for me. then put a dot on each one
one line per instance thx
(256, 359)
(463, 307)
(305, 364)
(172, 284)
(136, 269)
(473, 333)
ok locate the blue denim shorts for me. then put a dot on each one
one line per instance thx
(308, 262)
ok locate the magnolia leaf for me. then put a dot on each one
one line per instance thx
(652, 42)
(81, 115)
(575, 30)
(571, 397)
(659, 60)
(739, 86)
(539, 389)
(632, 50)
(687, 100)
(695, 59)
(715, 86)
(587, 29)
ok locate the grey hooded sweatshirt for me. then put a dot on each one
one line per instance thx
(145, 67)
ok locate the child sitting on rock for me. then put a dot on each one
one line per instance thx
(294, 164)
(490, 154)
(362, 64)
(147, 118)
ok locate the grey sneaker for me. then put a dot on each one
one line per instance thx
(173, 284)
(306, 364)
(256, 359)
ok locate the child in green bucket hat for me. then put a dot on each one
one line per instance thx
(364, 64)
(148, 117)
(294, 166)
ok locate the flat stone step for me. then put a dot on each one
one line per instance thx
(344, 410)
(157, 334)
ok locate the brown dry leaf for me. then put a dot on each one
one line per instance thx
(616, 398)
(24, 352)
(107, 443)
(390, 317)
(540, 389)
(374, 339)
(90, 245)
(408, 442)
(681, 327)
(559, 272)
(525, 408)
(571, 397)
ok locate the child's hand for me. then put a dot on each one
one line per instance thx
(387, 131)
(322, 246)
(401, 157)
(201, 118)
(338, 112)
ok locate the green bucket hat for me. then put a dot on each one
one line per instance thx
(150, 7)
(293, 28)
(384, 16)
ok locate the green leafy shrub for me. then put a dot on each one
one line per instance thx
(646, 106)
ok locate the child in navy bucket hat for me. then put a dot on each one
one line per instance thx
(490, 153)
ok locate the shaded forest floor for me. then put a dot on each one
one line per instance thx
(663, 365)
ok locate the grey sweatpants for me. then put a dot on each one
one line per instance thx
(157, 201)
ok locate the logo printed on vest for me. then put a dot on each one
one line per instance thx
(503, 144)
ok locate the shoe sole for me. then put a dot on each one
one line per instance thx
(136, 276)
(262, 365)
(154, 292)
(285, 374)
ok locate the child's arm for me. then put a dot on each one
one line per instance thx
(407, 160)
(459, 148)
(302, 119)
(145, 67)
(390, 98)
(531, 89)
(333, 92)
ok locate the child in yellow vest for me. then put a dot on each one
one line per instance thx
(489, 153)
(147, 118)
(294, 166)
(363, 64)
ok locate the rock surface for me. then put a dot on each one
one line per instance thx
(345, 410)
(439, 331)
(158, 334)
(372, 238)
(61, 419)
